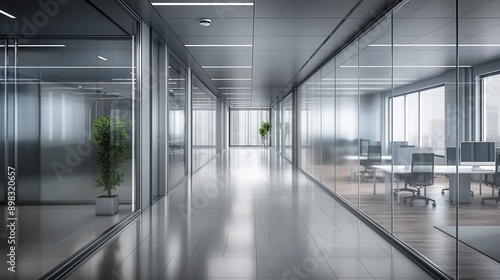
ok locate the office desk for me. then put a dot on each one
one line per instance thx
(355, 158)
(464, 175)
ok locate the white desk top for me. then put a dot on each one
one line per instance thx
(366, 157)
(443, 169)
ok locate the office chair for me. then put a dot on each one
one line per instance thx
(363, 152)
(374, 158)
(493, 180)
(403, 177)
(421, 176)
(452, 160)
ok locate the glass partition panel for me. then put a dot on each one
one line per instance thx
(177, 155)
(65, 95)
(328, 124)
(277, 129)
(287, 126)
(305, 145)
(3, 118)
(204, 124)
(424, 57)
(346, 126)
(317, 157)
(375, 81)
(479, 54)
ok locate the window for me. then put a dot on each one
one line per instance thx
(491, 106)
(432, 119)
(419, 118)
(244, 127)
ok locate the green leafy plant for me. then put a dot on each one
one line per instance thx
(264, 129)
(110, 135)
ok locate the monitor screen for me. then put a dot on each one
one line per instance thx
(477, 153)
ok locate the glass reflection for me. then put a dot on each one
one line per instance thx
(328, 124)
(204, 125)
(244, 126)
(286, 128)
(177, 163)
(420, 63)
(375, 186)
(60, 92)
(346, 128)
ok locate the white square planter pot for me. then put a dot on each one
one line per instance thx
(106, 205)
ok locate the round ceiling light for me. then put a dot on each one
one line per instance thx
(204, 21)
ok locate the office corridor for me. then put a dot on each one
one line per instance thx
(248, 215)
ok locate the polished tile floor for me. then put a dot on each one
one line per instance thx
(248, 215)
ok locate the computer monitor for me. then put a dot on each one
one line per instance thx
(477, 153)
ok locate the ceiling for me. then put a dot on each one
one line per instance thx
(281, 42)
(268, 45)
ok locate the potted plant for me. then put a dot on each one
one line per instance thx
(264, 129)
(110, 135)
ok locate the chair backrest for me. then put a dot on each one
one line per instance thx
(363, 147)
(375, 154)
(496, 176)
(422, 169)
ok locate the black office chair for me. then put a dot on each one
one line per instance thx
(363, 152)
(451, 159)
(374, 158)
(493, 180)
(421, 176)
(404, 178)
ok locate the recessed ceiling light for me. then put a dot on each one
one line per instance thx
(227, 67)
(102, 58)
(232, 79)
(6, 14)
(434, 45)
(216, 46)
(404, 66)
(230, 93)
(235, 88)
(201, 4)
(35, 46)
(204, 22)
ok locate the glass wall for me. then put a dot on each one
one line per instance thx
(400, 89)
(491, 108)
(244, 127)
(286, 127)
(177, 94)
(60, 94)
(328, 121)
(204, 124)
